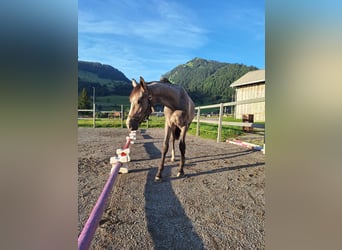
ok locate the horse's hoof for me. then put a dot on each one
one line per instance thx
(180, 174)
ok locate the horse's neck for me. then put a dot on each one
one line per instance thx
(166, 95)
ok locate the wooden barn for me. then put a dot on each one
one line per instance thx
(250, 86)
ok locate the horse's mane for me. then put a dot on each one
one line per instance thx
(164, 79)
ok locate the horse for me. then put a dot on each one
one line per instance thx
(179, 111)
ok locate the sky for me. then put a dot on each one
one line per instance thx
(148, 38)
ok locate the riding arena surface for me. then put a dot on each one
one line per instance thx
(219, 204)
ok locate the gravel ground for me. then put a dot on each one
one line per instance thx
(220, 204)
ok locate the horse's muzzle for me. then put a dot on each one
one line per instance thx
(132, 124)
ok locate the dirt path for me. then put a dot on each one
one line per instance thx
(219, 205)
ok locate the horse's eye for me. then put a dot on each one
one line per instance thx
(140, 100)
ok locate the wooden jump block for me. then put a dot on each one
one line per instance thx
(122, 157)
(123, 160)
(123, 169)
(123, 154)
(132, 136)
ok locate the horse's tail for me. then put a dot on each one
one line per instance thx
(177, 133)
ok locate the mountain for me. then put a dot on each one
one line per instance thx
(208, 81)
(106, 79)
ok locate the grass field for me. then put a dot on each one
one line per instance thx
(112, 102)
(210, 131)
(101, 123)
(92, 77)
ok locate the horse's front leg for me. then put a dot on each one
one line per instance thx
(182, 150)
(164, 152)
(173, 146)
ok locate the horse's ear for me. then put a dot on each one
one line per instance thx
(134, 83)
(143, 83)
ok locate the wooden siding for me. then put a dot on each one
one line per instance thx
(251, 92)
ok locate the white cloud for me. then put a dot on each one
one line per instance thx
(169, 25)
(132, 60)
(150, 37)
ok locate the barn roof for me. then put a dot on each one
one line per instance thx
(255, 76)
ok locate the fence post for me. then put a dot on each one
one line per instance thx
(122, 116)
(94, 115)
(219, 127)
(198, 123)
(264, 148)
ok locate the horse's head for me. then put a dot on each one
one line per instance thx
(141, 106)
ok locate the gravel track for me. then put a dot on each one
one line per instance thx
(220, 204)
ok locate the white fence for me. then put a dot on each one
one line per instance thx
(94, 115)
(198, 119)
(87, 110)
(219, 122)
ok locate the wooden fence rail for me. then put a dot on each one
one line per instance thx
(87, 110)
(199, 120)
(94, 114)
(219, 122)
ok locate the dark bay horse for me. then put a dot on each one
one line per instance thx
(179, 112)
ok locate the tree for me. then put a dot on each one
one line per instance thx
(83, 100)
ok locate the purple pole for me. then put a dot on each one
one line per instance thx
(89, 228)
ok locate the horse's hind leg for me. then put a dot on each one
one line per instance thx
(173, 138)
(182, 150)
(164, 151)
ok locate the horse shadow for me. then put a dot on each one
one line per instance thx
(167, 222)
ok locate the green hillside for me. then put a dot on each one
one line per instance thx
(112, 102)
(208, 81)
(106, 79)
